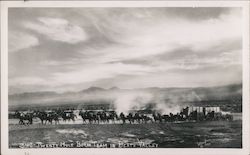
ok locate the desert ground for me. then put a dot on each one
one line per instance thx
(208, 134)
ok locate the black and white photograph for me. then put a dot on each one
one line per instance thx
(122, 77)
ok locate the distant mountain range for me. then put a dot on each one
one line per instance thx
(155, 94)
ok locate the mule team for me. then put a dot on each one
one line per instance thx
(44, 116)
(102, 116)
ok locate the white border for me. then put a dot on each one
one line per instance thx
(187, 151)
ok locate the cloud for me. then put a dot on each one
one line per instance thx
(58, 29)
(32, 80)
(193, 62)
(179, 32)
(21, 40)
(120, 47)
(144, 38)
(98, 72)
(58, 63)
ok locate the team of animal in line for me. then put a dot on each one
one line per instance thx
(104, 116)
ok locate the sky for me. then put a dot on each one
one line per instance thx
(70, 49)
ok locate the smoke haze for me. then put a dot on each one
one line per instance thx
(164, 100)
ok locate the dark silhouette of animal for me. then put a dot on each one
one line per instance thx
(130, 118)
(157, 117)
(90, 116)
(47, 117)
(23, 117)
(137, 117)
(68, 115)
(122, 117)
(146, 119)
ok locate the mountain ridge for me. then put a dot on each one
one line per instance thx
(95, 89)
